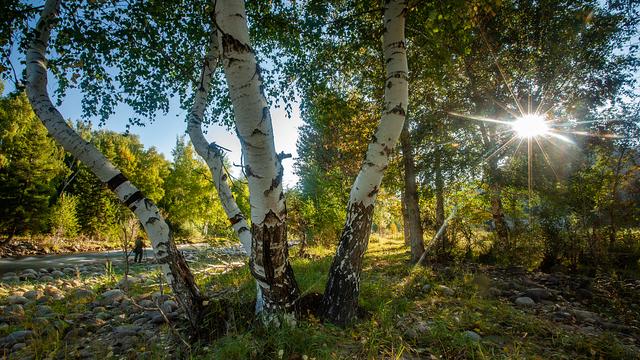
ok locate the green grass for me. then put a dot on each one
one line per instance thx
(395, 304)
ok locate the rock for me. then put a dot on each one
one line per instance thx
(15, 299)
(43, 310)
(111, 296)
(169, 306)
(159, 298)
(103, 316)
(426, 288)
(471, 335)
(10, 279)
(57, 273)
(16, 337)
(446, 290)
(538, 294)
(83, 295)
(585, 316)
(15, 310)
(18, 347)
(69, 271)
(524, 301)
(146, 303)
(29, 271)
(33, 294)
(46, 278)
(127, 330)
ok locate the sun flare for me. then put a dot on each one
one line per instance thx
(530, 125)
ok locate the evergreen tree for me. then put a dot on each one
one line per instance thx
(30, 163)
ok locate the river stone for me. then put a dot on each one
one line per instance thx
(471, 335)
(16, 299)
(446, 290)
(83, 295)
(43, 310)
(585, 316)
(10, 279)
(146, 303)
(15, 310)
(10, 273)
(46, 278)
(111, 296)
(169, 306)
(69, 271)
(18, 347)
(33, 294)
(127, 330)
(16, 337)
(538, 294)
(57, 273)
(103, 316)
(159, 298)
(524, 301)
(426, 288)
(29, 271)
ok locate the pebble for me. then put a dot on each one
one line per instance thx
(524, 301)
(111, 296)
(16, 299)
(471, 335)
(446, 290)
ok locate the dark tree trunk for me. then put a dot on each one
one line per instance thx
(405, 220)
(340, 300)
(440, 216)
(270, 266)
(412, 211)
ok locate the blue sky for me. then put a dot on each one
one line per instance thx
(163, 132)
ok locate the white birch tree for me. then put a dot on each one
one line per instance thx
(340, 299)
(213, 155)
(262, 165)
(172, 263)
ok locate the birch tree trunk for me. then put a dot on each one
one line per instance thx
(412, 211)
(173, 265)
(213, 156)
(269, 260)
(340, 299)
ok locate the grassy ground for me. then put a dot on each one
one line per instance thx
(406, 321)
(411, 313)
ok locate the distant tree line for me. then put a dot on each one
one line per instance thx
(45, 191)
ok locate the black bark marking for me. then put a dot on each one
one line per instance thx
(275, 182)
(398, 110)
(340, 300)
(116, 181)
(152, 220)
(229, 44)
(223, 177)
(249, 172)
(236, 219)
(269, 251)
(373, 192)
(133, 198)
(257, 131)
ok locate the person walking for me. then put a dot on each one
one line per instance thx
(138, 249)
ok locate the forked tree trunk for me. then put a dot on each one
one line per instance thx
(262, 165)
(213, 156)
(173, 265)
(340, 299)
(412, 211)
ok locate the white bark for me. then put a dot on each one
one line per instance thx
(262, 165)
(173, 265)
(214, 157)
(341, 294)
